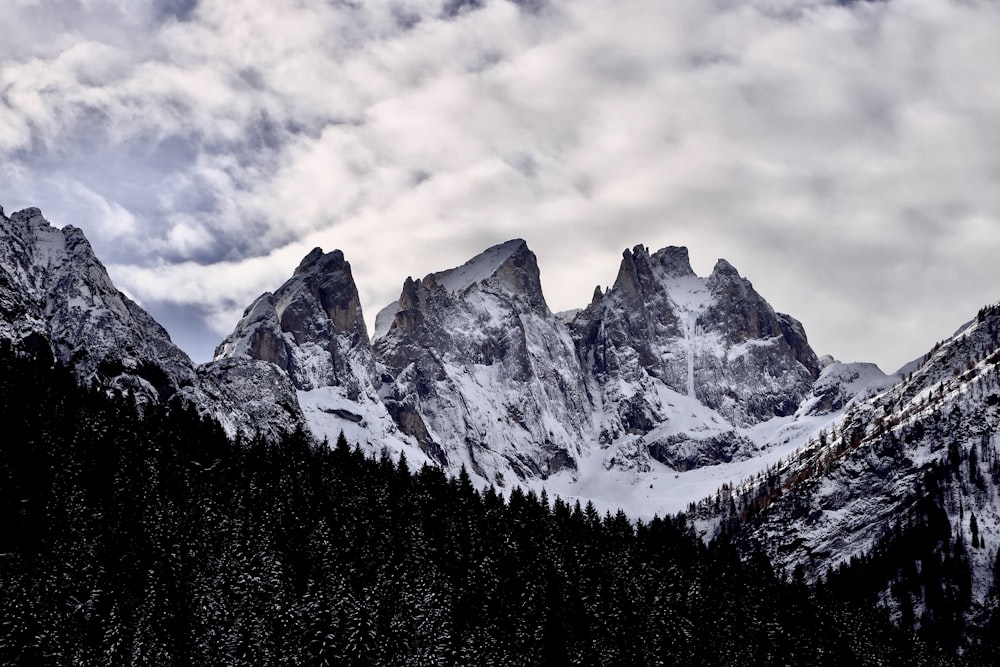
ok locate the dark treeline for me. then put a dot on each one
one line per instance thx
(133, 536)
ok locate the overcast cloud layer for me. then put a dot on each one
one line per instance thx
(844, 157)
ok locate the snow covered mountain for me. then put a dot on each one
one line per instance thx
(926, 446)
(666, 372)
(54, 292)
(313, 329)
(481, 373)
(666, 386)
(662, 336)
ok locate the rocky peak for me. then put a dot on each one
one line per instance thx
(410, 296)
(509, 266)
(741, 314)
(312, 258)
(641, 276)
(479, 371)
(715, 341)
(312, 327)
(598, 295)
(519, 273)
(30, 216)
(505, 275)
(409, 313)
(321, 287)
(508, 270)
(62, 293)
(635, 280)
(723, 270)
(673, 262)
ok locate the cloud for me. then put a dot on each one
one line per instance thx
(842, 156)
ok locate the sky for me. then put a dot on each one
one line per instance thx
(844, 156)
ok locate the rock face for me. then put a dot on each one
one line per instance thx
(55, 292)
(661, 331)
(246, 396)
(311, 327)
(53, 287)
(924, 440)
(480, 372)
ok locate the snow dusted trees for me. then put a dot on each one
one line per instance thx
(148, 537)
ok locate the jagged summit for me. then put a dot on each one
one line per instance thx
(487, 264)
(673, 260)
(480, 372)
(724, 268)
(510, 266)
(643, 276)
(662, 330)
(507, 271)
(55, 292)
(54, 287)
(312, 327)
(314, 256)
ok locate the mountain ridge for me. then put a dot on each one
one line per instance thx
(470, 368)
(473, 370)
(909, 454)
(55, 292)
(599, 381)
(668, 392)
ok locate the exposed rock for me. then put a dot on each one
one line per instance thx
(54, 291)
(768, 367)
(683, 452)
(482, 373)
(52, 285)
(247, 396)
(662, 328)
(311, 327)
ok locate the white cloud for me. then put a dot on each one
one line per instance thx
(843, 157)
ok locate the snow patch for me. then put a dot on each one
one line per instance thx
(479, 268)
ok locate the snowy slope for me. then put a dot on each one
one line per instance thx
(936, 428)
(622, 476)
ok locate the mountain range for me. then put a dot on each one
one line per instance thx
(668, 392)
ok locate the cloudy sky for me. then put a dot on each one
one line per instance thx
(843, 156)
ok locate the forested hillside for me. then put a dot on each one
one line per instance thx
(151, 538)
